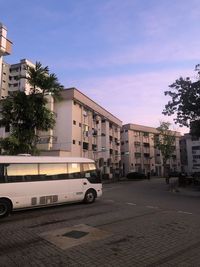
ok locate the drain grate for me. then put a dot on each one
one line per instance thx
(75, 234)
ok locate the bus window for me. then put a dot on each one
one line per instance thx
(2, 177)
(74, 170)
(53, 171)
(21, 172)
(89, 172)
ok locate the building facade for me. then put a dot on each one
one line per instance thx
(5, 49)
(84, 128)
(139, 154)
(10, 77)
(190, 153)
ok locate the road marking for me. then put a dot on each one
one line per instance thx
(133, 204)
(152, 207)
(184, 212)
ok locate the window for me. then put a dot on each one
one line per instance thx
(79, 142)
(74, 170)
(194, 138)
(79, 124)
(195, 147)
(145, 134)
(2, 177)
(74, 142)
(146, 144)
(138, 155)
(137, 143)
(21, 172)
(52, 171)
(85, 145)
(74, 122)
(89, 172)
(14, 69)
(94, 147)
(94, 132)
(31, 172)
(196, 157)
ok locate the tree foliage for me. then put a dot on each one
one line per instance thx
(165, 142)
(25, 115)
(185, 102)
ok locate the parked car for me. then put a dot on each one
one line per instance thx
(136, 175)
(174, 174)
(196, 178)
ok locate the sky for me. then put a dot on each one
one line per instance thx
(123, 54)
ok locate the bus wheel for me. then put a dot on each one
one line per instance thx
(90, 196)
(5, 208)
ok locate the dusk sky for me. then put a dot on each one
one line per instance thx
(121, 53)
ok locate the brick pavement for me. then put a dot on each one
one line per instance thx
(137, 237)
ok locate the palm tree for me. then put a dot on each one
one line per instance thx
(25, 115)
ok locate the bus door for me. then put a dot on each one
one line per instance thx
(76, 181)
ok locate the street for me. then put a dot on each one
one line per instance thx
(135, 223)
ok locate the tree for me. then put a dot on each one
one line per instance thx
(165, 142)
(25, 115)
(185, 102)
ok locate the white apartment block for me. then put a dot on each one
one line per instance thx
(190, 153)
(11, 74)
(139, 154)
(83, 128)
(5, 49)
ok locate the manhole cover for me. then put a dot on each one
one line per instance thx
(75, 234)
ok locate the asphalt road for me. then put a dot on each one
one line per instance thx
(135, 223)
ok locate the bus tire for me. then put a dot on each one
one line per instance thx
(90, 196)
(5, 207)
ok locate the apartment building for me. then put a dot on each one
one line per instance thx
(5, 49)
(139, 154)
(83, 128)
(190, 153)
(11, 74)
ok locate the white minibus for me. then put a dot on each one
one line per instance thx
(37, 181)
